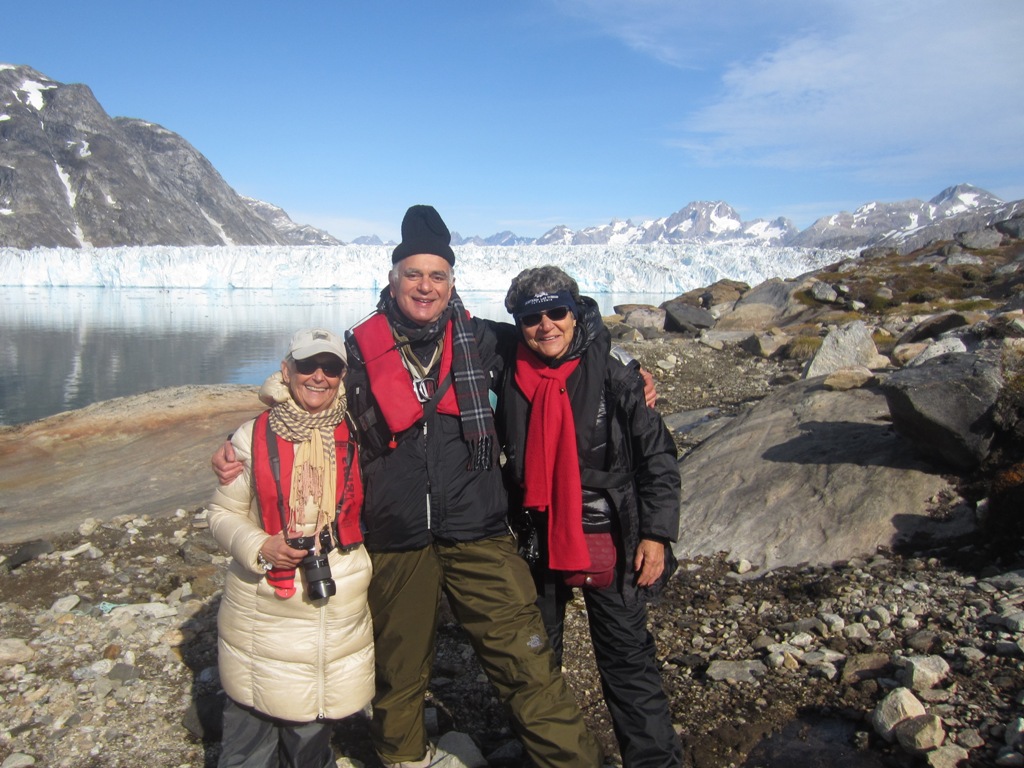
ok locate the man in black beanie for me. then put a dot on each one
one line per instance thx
(436, 512)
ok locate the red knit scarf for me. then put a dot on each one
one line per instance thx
(551, 477)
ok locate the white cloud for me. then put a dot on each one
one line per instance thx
(874, 88)
(893, 93)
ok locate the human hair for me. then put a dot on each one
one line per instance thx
(538, 280)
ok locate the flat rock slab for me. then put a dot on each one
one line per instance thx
(809, 475)
(143, 455)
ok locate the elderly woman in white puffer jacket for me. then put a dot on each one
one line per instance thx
(295, 638)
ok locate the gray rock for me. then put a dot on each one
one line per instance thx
(933, 326)
(645, 317)
(948, 756)
(824, 293)
(764, 344)
(28, 551)
(764, 306)
(848, 347)
(807, 476)
(1012, 227)
(920, 734)
(899, 705)
(944, 406)
(686, 318)
(14, 650)
(923, 672)
(980, 239)
(946, 346)
(738, 671)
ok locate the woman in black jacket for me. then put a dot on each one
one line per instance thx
(593, 471)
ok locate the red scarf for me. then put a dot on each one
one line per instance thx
(391, 381)
(349, 489)
(551, 476)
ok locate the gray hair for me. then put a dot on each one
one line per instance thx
(537, 280)
(395, 274)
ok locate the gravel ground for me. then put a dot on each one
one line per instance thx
(108, 643)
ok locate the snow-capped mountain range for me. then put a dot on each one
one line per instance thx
(71, 176)
(904, 225)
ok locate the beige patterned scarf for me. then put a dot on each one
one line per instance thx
(311, 502)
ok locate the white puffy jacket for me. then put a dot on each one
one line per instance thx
(290, 659)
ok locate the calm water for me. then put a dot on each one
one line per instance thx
(65, 348)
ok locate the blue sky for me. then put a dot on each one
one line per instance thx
(525, 115)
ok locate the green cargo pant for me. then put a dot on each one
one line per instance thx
(491, 593)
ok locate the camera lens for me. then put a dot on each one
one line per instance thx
(319, 584)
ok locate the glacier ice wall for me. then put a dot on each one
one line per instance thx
(666, 269)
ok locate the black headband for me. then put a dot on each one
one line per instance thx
(528, 305)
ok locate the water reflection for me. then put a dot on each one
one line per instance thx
(65, 348)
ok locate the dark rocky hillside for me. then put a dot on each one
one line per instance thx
(72, 176)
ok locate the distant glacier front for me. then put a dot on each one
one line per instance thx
(654, 269)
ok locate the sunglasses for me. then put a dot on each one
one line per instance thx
(534, 318)
(332, 368)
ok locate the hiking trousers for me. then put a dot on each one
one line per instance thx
(627, 664)
(491, 593)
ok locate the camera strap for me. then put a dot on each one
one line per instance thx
(275, 469)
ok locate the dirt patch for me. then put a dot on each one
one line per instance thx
(142, 455)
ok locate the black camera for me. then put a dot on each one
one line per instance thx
(319, 584)
(527, 536)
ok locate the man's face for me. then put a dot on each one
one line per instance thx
(421, 285)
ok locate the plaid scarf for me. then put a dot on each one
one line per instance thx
(468, 374)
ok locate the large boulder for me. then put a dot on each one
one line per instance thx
(769, 304)
(945, 406)
(809, 475)
(848, 347)
(718, 293)
(685, 318)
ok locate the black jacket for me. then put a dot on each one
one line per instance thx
(637, 471)
(421, 490)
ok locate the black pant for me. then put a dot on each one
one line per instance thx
(254, 740)
(627, 663)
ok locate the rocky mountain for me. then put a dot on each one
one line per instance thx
(910, 224)
(294, 234)
(71, 175)
(706, 221)
(903, 226)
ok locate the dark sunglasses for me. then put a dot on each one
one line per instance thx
(331, 368)
(534, 318)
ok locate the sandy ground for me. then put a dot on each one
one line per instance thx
(143, 455)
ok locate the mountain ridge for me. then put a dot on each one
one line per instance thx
(72, 176)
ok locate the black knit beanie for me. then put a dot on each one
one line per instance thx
(424, 231)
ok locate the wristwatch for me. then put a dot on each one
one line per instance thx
(262, 562)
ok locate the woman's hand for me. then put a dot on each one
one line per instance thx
(279, 554)
(225, 465)
(649, 562)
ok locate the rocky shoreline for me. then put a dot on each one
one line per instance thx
(108, 658)
(898, 656)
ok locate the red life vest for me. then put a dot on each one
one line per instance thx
(349, 493)
(391, 381)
